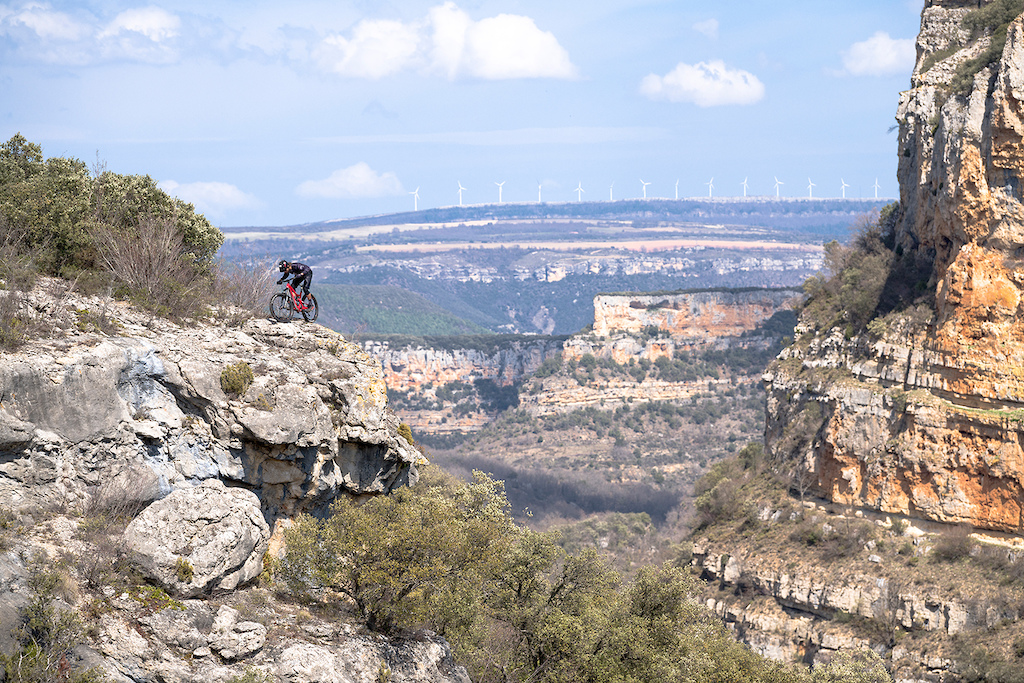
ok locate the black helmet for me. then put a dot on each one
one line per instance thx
(282, 265)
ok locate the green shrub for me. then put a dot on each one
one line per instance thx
(236, 379)
(993, 20)
(853, 666)
(253, 675)
(405, 556)
(405, 431)
(183, 570)
(47, 636)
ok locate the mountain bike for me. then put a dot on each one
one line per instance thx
(288, 305)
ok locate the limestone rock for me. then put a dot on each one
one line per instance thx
(922, 416)
(198, 539)
(232, 639)
(146, 408)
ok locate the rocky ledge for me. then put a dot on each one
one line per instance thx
(128, 404)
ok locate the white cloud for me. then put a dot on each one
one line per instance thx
(146, 34)
(43, 21)
(880, 55)
(37, 32)
(212, 198)
(708, 28)
(706, 84)
(450, 43)
(507, 46)
(151, 22)
(376, 49)
(355, 182)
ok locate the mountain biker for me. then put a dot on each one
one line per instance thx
(303, 276)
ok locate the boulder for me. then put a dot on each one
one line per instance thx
(199, 539)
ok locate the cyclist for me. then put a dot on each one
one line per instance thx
(303, 276)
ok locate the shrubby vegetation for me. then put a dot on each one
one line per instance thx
(868, 278)
(992, 19)
(516, 607)
(104, 231)
(48, 634)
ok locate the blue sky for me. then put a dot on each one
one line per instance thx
(270, 113)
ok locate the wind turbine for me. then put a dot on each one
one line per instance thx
(711, 186)
(539, 185)
(677, 188)
(744, 184)
(610, 188)
(777, 183)
(499, 190)
(810, 189)
(579, 191)
(645, 187)
(843, 188)
(876, 188)
(415, 199)
(461, 188)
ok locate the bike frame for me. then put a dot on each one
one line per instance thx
(296, 299)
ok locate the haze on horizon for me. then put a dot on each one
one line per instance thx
(270, 114)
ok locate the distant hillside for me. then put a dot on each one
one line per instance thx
(386, 309)
(816, 216)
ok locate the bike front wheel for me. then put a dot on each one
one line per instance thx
(312, 309)
(281, 308)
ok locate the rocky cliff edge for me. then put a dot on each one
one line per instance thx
(921, 414)
(123, 400)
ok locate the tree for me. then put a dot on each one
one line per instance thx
(398, 557)
(853, 666)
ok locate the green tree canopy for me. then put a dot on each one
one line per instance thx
(60, 212)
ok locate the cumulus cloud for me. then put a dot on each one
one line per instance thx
(151, 22)
(880, 55)
(38, 32)
(706, 84)
(376, 49)
(211, 198)
(358, 181)
(146, 34)
(40, 20)
(708, 28)
(450, 43)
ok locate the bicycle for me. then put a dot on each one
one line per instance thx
(288, 305)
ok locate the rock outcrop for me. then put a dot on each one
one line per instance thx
(415, 367)
(200, 539)
(922, 415)
(652, 326)
(149, 409)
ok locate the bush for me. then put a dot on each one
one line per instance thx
(60, 221)
(47, 636)
(236, 379)
(405, 431)
(853, 666)
(516, 608)
(954, 544)
(403, 558)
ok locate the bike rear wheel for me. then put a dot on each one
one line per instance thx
(281, 308)
(312, 309)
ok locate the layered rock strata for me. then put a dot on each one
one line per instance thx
(922, 415)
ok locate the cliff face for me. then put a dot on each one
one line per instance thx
(145, 408)
(628, 328)
(922, 415)
(689, 316)
(683, 319)
(413, 369)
